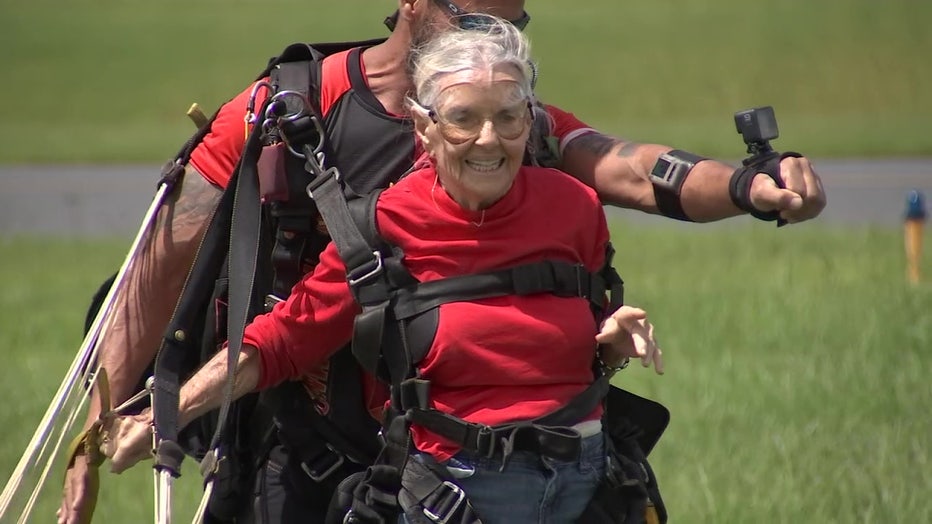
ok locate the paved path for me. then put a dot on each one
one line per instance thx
(111, 200)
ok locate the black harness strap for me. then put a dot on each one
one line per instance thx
(178, 344)
(547, 435)
(377, 295)
(294, 213)
(559, 278)
(244, 252)
(431, 491)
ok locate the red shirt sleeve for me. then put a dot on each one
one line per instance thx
(301, 333)
(566, 126)
(217, 155)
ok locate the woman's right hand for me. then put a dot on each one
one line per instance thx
(628, 333)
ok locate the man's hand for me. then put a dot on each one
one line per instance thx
(803, 197)
(129, 441)
(78, 487)
(627, 333)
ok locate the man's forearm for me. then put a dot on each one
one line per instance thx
(203, 392)
(705, 196)
(152, 285)
(618, 170)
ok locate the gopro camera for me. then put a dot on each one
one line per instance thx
(757, 126)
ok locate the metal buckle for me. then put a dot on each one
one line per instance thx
(355, 281)
(250, 117)
(460, 498)
(485, 438)
(318, 147)
(270, 301)
(320, 477)
(315, 166)
(282, 96)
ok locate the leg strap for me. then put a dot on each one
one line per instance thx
(429, 496)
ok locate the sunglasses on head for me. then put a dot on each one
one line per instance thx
(464, 19)
(467, 20)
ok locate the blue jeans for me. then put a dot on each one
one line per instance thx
(532, 488)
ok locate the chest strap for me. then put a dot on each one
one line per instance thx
(559, 278)
(378, 298)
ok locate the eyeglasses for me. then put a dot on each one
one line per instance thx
(470, 21)
(464, 19)
(461, 126)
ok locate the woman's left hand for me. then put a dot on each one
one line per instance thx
(628, 333)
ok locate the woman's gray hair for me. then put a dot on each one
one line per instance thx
(475, 49)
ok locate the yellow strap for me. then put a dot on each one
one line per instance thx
(650, 514)
(196, 114)
(87, 443)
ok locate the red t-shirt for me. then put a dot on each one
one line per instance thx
(216, 156)
(493, 360)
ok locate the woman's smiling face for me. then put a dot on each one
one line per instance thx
(476, 134)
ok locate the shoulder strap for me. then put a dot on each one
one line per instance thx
(234, 231)
(301, 130)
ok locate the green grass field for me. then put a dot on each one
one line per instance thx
(798, 360)
(797, 369)
(107, 81)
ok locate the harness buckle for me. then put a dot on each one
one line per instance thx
(292, 111)
(270, 301)
(313, 471)
(485, 441)
(444, 515)
(583, 286)
(315, 166)
(369, 270)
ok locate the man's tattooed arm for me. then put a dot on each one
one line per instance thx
(618, 170)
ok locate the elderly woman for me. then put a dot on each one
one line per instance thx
(472, 208)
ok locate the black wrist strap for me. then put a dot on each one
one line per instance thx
(667, 196)
(739, 188)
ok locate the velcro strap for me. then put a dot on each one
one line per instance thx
(169, 455)
(375, 499)
(85, 445)
(739, 187)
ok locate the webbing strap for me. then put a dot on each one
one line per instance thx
(179, 341)
(381, 301)
(614, 285)
(487, 439)
(362, 261)
(427, 493)
(295, 214)
(244, 252)
(559, 278)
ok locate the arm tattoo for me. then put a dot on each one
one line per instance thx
(601, 145)
(595, 143)
(628, 149)
(195, 201)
